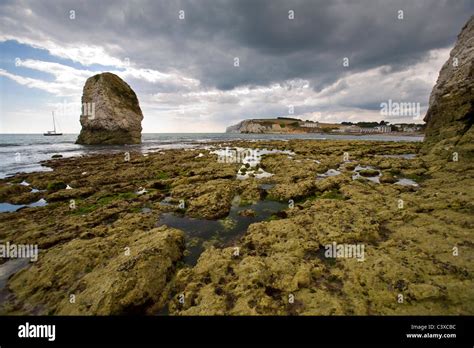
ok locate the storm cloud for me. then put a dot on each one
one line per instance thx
(190, 62)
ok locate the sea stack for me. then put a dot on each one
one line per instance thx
(450, 115)
(111, 113)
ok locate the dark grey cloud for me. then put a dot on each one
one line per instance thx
(271, 48)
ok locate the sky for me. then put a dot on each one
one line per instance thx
(202, 65)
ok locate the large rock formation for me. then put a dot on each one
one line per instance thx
(450, 114)
(247, 126)
(234, 128)
(111, 112)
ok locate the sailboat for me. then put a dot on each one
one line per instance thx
(53, 132)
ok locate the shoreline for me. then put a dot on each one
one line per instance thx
(24, 153)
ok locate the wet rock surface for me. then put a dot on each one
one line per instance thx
(276, 265)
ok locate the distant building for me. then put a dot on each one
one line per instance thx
(363, 130)
(310, 124)
(412, 129)
(383, 129)
(407, 128)
(368, 130)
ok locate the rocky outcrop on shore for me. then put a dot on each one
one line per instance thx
(234, 128)
(111, 112)
(450, 116)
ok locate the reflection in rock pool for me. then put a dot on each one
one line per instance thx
(8, 269)
(201, 232)
(7, 207)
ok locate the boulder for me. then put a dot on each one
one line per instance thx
(111, 112)
(128, 272)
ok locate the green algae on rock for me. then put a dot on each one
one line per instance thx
(106, 276)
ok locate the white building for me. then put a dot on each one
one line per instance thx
(383, 129)
(310, 124)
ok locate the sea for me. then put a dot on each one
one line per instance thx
(23, 153)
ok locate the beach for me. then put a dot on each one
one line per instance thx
(162, 229)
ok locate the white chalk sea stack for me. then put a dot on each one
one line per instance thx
(111, 112)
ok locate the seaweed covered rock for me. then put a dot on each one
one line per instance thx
(111, 112)
(101, 276)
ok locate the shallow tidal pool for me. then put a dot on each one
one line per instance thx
(201, 232)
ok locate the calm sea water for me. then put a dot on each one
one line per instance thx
(24, 152)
